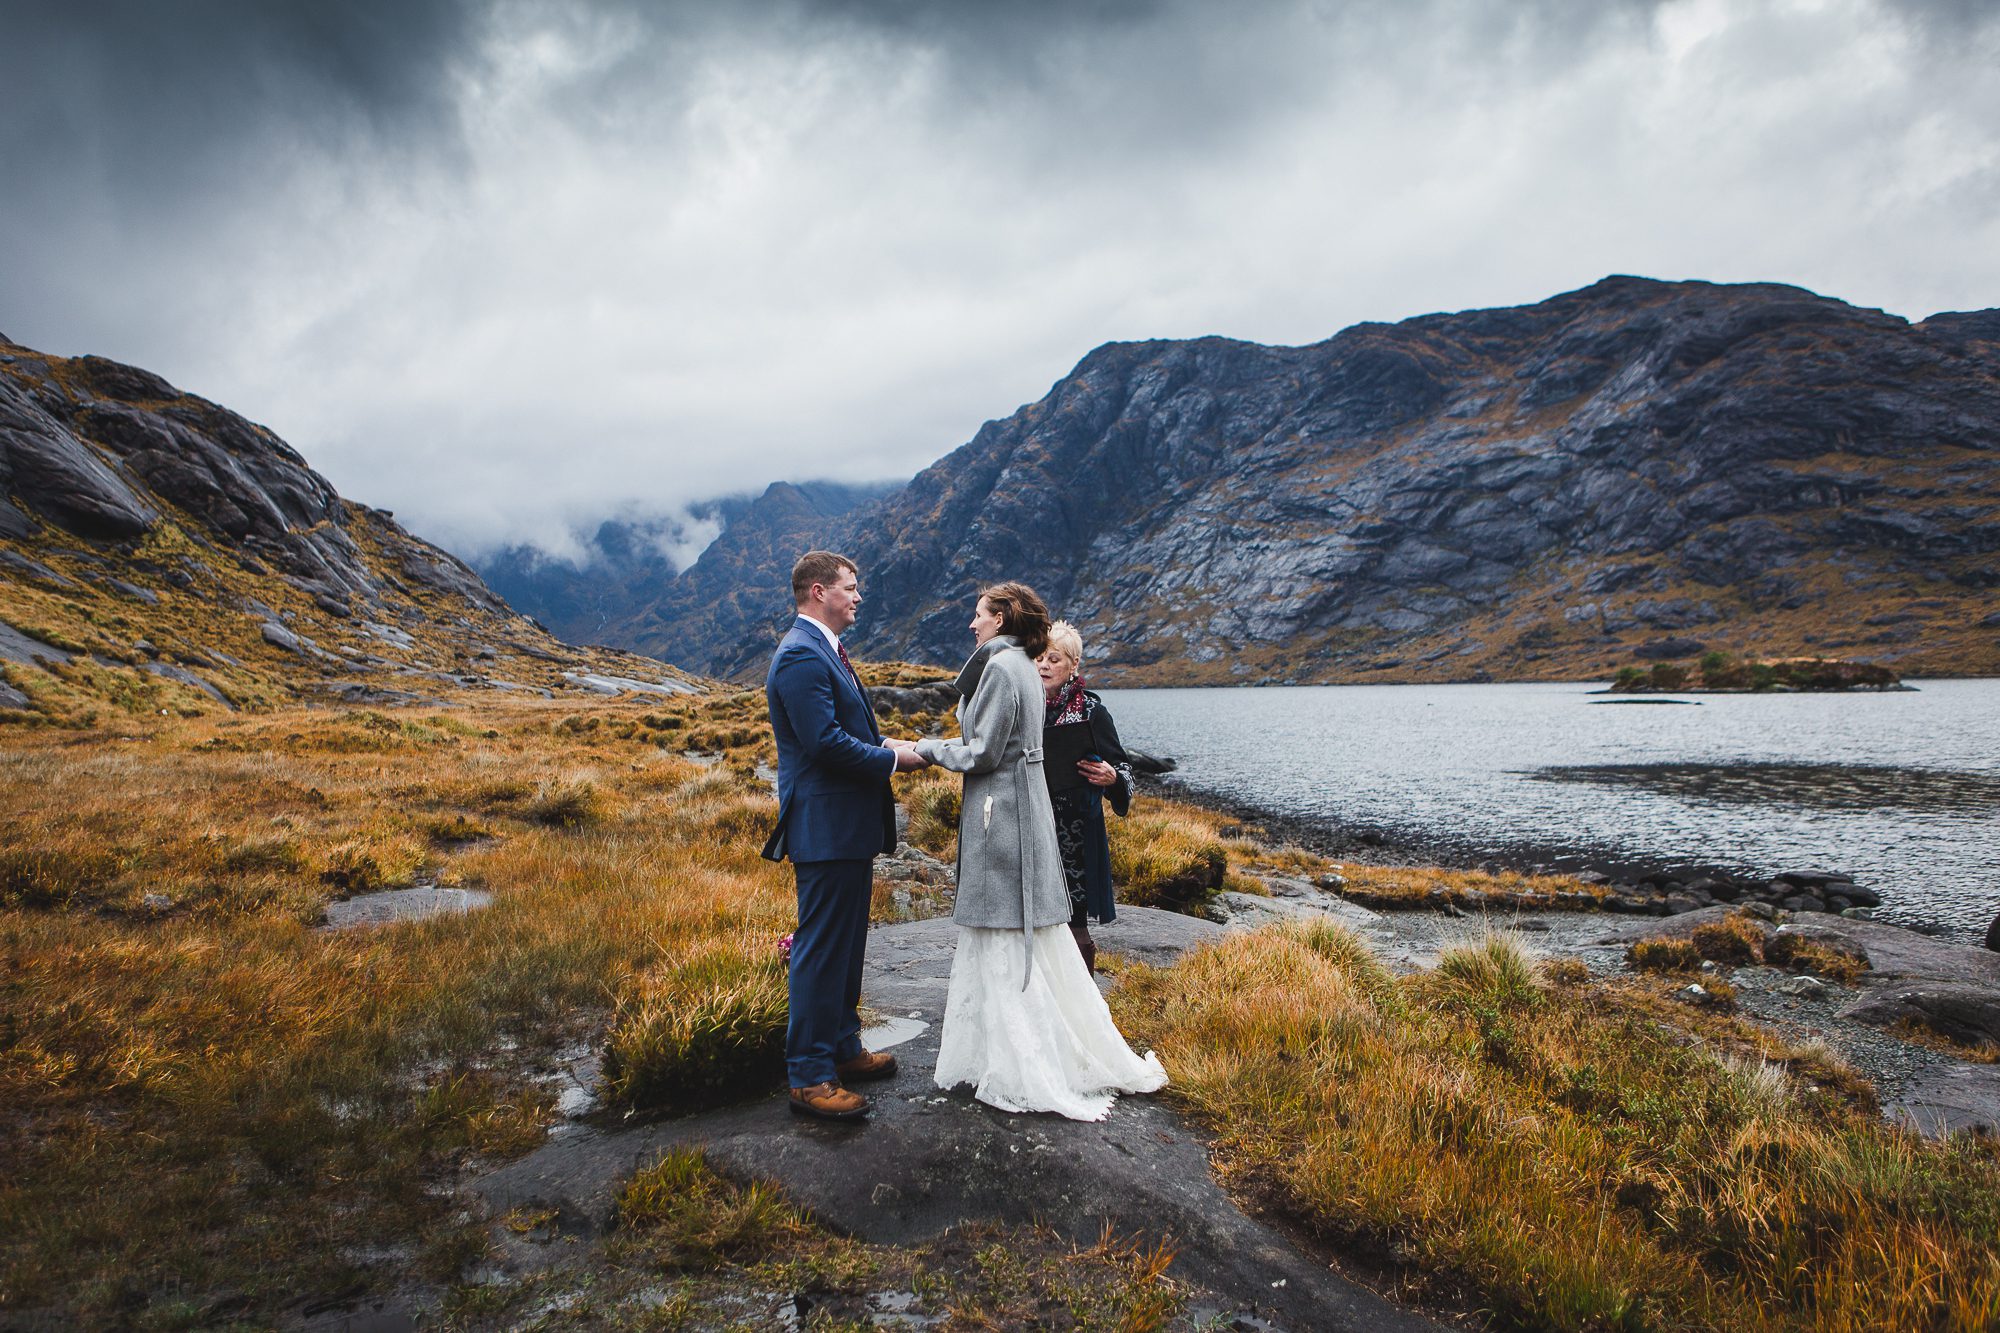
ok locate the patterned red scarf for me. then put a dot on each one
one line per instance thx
(1069, 703)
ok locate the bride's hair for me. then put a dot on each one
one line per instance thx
(1022, 614)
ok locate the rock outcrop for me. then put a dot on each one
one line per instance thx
(1538, 491)
(213, 548)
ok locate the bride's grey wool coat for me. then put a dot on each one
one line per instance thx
(1010, 873)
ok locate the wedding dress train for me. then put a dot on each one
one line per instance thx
(1052, 1047)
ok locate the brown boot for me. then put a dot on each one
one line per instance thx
(1085, 946)
(829, 1101)
(867, 1066)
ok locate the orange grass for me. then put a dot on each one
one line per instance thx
(203, 1092)
(1555, 1154)
(1788, 949)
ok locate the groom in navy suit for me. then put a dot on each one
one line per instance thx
(835, 815)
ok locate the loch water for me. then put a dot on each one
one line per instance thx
(1900, 791)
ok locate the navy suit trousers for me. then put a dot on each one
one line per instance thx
(827, 949)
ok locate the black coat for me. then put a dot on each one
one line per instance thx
(1079, 812)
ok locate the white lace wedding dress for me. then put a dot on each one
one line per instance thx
(1052, 1047)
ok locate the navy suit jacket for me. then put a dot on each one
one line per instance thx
(834, 802)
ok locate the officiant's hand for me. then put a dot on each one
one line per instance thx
(1096, 772)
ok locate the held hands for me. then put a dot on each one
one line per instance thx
(1096, 772)
(907, 758)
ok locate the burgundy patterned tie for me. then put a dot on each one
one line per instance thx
(841, 648)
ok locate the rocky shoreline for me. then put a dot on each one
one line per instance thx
(1629, 886)
(1919, 1019)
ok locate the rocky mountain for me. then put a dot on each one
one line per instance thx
(628, 564)
(159, 551)
(1636, 469)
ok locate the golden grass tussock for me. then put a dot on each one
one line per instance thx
(1556, 1153)
(1737, 938)
(691, 1216)
(1665, 954)
(1408, 886)
(1494, 970)
(568, 801)
(932, 797)
(1160, 858)
(1789, 949)
(702, 1030)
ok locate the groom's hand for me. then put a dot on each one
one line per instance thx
(907, 758)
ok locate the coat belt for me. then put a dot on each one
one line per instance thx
(1022, 777)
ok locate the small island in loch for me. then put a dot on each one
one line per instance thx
(1717, 672)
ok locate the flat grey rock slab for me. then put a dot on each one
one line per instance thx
(495, 683)
(1958, 1098)
(927, 1160)
(1893, 951)
(413, 904)
(1630, 929)
(34, 569)
(1964, 1012)
(26, 650)
(186, 677)
(1292, 899)
(1143, 934)
(1896, 953)
(610, 685)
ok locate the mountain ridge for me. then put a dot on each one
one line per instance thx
(1539, 491)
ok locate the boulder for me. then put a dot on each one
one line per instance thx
(1957, 1098)
(1966, 1013)
(935, 698)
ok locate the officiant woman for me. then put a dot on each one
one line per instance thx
(1076, 722)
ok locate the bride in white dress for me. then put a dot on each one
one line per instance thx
(1024, 1023)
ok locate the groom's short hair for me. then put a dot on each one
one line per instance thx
(821, 567)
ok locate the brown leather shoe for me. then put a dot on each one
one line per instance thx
(829, 1101)
(867, 1066)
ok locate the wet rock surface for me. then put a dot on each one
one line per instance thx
(1954, 1099)
(1952, 990)
(927, 1159)
(420, 903)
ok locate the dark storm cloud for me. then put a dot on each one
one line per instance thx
(141, 91)
(511, 267)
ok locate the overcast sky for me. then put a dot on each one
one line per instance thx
(510, 268)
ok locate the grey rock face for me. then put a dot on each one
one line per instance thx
(46, 469)
(1636, 458)
(28, 650)
(106, 452)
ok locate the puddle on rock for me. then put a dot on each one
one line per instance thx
(414, 904)
(892, 1032)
